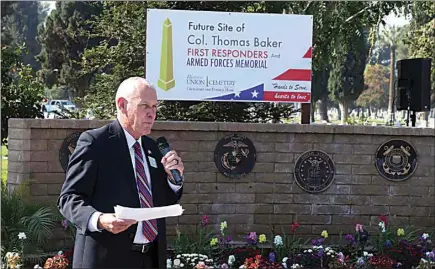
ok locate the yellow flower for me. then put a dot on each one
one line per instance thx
(213, 242)
(400, 232)
(262, 238)
(324, 233)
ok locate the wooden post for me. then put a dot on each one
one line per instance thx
(305, 113)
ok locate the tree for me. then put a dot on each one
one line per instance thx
(376, 84)
(346, 81)
(21, 92)
(421, 37)
(390, 38)
(20, 27)
(64, 39)
(332, 21)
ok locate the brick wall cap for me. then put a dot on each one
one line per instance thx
(230, 127)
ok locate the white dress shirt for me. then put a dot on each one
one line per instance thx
(139, 237)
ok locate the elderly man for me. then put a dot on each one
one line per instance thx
(118, 164)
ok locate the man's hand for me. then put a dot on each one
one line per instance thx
(172, 161)
(111, 223)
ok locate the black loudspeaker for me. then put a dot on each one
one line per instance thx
(413, 84)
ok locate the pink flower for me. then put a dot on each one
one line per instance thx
(204, 220)
(295, 226)
(384, 219)
(359, 227)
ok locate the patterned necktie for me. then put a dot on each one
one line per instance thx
(146, 198)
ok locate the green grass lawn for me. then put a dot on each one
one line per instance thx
(4, 164)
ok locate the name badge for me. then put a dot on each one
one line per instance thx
(153, 162)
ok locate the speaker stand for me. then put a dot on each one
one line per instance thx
(413, 118)
(413, 115)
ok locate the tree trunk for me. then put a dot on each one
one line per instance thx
(323, 109)
(369, 112)
(312, 110)
(344, 111)
(391, 90)
(426, 118)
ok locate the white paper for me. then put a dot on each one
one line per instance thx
(141, 214)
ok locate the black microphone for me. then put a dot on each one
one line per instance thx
(165, 148)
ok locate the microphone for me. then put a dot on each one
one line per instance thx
(165, 148)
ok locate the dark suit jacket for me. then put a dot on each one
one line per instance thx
(100, 176)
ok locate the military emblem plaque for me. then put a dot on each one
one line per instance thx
(314, 171)
(67, 148)
(396, 160)
(235, 156)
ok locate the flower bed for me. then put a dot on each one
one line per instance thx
(402, 248)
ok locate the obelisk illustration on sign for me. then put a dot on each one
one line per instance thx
(166, 80)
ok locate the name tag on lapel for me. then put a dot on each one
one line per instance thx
(153, 162)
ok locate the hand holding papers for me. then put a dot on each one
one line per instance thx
(141, 214)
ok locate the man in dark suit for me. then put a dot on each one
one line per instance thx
(118, 164)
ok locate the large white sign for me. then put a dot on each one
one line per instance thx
(225, 56)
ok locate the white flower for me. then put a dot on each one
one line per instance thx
(285, 259)
(177, 262)
(22, 236)
(370, 255)
(178, 256)
(423, 260)
(182, 265)
(425, 236)
(37, 266)
(168, 263)
(242, 266)
(278, 240)
(332, 256)
(365, 253)
(328, 253)
(382, 225)
(310, 250)
(327, 249)
(231, 260)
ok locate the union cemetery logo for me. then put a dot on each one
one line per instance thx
(396, 160)
(67, 148)
(235, 155)
(314, 171)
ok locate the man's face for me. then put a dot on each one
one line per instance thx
(141, 110)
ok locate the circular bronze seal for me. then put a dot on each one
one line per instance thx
(67, 148)
(235, 156)
(314, 171)
(396, 160)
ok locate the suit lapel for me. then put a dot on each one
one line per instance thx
(121, 147)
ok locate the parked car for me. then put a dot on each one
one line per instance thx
(53, 106)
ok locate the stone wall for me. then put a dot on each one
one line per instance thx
(268, 197)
